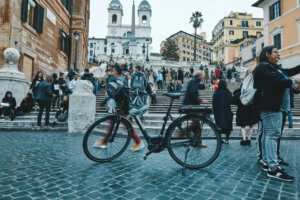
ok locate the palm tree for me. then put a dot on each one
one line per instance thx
(197, 21)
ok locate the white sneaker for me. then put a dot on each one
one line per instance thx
(137, 147)
(100, 144)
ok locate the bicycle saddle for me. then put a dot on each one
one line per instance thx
(187, 109)
(173, 95)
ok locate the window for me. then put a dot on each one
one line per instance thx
(188, 59)
(91, 53)
(245, 34)
(245, 24)
(231, 22)
(66, 4)
(253, 52)
(91, 45)
(275, 10)
(258, 23)
(184, 59)
(231, 32)
(33, 14)
(223, 51)
(127, 51)
(114, 19)
(112, 50)
(105, 49)
(65, 42)
(222, 24)
(144, 19)
(277, 41)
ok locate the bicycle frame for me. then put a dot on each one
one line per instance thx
(161, 134)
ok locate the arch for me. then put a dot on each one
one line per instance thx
(144, 19)
(114, 19)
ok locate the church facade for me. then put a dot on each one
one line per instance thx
(124, 42)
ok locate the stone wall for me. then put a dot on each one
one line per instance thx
(43, 49)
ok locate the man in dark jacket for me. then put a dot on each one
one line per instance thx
(192, 94)
(192, 98)
(273, 83)
(44, 97)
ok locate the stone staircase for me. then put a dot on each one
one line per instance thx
(153, 119)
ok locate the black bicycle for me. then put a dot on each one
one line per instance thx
(192, 139)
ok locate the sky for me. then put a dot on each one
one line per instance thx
(171, 16)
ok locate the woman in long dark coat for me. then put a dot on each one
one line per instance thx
(222, 100)
(245, 116)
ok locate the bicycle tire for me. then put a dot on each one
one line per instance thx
(93, 129)
(171, 145)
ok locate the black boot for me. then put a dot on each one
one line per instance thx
(243, 142)
(248, 142)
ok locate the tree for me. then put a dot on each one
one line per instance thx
(170, 51)
(197, 21)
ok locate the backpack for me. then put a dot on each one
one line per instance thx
(115, 89)
(138, 82)
(248, 91)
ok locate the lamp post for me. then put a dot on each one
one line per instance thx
(144, 48)
(147, 58)
(94, 59)
(111, 52)
(76, 37)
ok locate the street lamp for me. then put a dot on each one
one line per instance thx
(94, 60)
(147, 58)
(76, 37)
(144, 47)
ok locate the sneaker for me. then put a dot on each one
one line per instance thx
(100, 144)
(137, 147)
(282, 162)
(248, 142)
(226, 142)
(264, 167)
(290, 126)
(279, 174)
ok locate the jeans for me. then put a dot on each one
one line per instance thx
(271, 124)
(44, 105)
(290, 118)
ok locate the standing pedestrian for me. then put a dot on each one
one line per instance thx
(273, 84)
(246, 115)
(37, 79)
(44, 97)
(222, 99)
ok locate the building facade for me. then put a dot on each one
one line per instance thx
(250, 49)
(282, 28)
(227, 33)
(129, 42)
(185, 44)
(42, 30)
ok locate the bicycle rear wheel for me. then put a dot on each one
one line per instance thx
(193, 141)
(107, 138)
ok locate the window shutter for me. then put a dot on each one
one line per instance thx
(271, 12)
(279, 5)
(69, 45)
(24, 11)
(40, 19)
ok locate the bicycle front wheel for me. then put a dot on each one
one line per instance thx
(107, 138)
(193, 141)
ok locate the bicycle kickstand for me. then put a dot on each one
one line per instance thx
(184, 164)
(147, 154)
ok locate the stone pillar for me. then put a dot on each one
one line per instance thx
(82, 107)
(11, 79)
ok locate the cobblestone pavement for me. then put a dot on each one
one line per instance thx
(52, 166)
